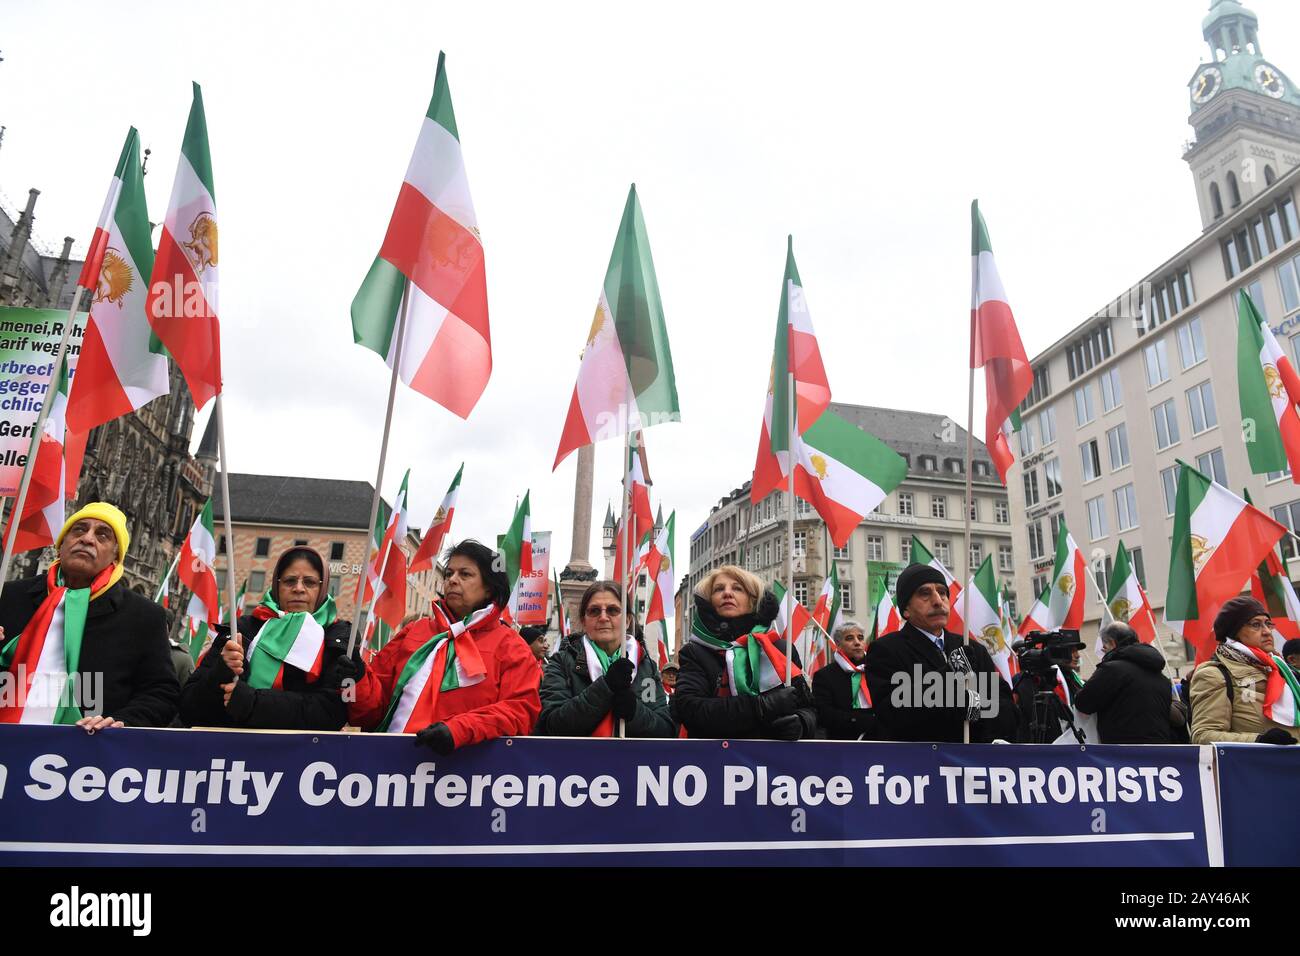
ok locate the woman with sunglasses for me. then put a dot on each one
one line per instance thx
(269, 676)
(601, 682)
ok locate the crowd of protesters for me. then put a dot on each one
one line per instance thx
(458, 675)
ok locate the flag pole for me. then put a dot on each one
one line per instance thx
(830, 558)
(792, 435)
(626, 532)
(231, 577)
(16, 515)
(167, 577)
(966, 503)
(383, 447)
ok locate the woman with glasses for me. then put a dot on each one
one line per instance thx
(275, 673)
(1242, 693)
(601, 682)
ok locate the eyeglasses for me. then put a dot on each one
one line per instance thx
(308, 583)
(1260, 624)
(612, 611)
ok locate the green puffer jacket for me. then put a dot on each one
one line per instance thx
(573, 705)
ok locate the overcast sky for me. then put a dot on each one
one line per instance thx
(864, 130)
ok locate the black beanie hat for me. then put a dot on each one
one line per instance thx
(913, 576)
(1234, 614)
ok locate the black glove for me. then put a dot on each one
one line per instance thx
(620, 674)
(1275, 736)
(785, 728)
(624, 705)
(438, 738)
(344, 668)
(778, 702)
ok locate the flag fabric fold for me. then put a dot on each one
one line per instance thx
(43, 508)
(1061, 603)
(1268, 390)
(1127, 600)
(194, 568)
(427, 554)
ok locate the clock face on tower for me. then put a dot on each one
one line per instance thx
(1206, 85)
(1270, 81)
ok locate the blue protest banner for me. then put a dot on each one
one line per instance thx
(1259, 791)
(172, 796)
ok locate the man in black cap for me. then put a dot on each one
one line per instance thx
(917, 675)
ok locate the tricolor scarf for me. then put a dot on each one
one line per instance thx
(1062, 691)
(597, 663)
(445, 662)
(754, 662)
(1281, 692)
(295, 638)
(48, 650)
(857, 680)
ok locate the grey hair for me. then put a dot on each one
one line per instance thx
(845, 628)
(1119, 633)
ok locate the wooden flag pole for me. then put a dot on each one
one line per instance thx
(25, 483)
(231, 577)
(383, 450)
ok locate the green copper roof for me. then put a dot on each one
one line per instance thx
(1226, 8)
(1238, 72)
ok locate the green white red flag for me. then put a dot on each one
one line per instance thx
(885, 618)
(1218, 541)
(638, 477)
(562, 625)
(625, 379)
(431, 260)
(661, 611)
(792, 618)
(121, 366)
(1269, 390)
(517, 549)
(995, 346)
(985, 621)
(827, 612)
(1271, 587)
(163, 596)
(921, 555)
(182, 300)
(445, 662)
(194, 568)
(1061, 604)
(1127, 600)
(386, 575)
(43, 508)
(427, 555)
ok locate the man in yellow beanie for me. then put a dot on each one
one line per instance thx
(79, 619)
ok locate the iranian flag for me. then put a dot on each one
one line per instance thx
(792, 618)
(386, 576)
(921, 555)
(1004, 608)
(659, 614)
(984, 619)
(1219, 540)
(195, 568)
(827, 611)
(431, 260)
(1061, 604)
(1269, 390)
(1270, 586)
(995, 346)
(42, 516)
(562, 624)
(517, 550)
(196, 631)
(638, 478)
(625, 379)
(163, 595)
(240, 600)
(885, 618)
(427, 554)
(121, 366)
(1127, 601)
(182, 301)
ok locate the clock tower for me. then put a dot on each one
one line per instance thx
(1246, 114)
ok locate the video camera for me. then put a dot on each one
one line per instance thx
(1041, 650)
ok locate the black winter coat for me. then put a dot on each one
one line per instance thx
(298, 706)
(902, 653)
(125, 641)
(573, 705)
(1131, 697)
(696, 704)
(832, 691)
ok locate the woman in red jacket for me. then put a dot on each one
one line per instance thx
(458, 677)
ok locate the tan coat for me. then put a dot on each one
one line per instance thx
(1213, 719)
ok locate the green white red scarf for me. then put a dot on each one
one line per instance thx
(445, 662)
(598, 663)
(1282, 690)
(857, 680)
(48, 650)
(295, 638)
(754, 662)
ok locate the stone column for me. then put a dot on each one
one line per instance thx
(578, 573)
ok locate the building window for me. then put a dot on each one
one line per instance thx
(1028, 444)
(1216, 201)
(846, 597)
(1288, 515)
(1054, 526)
(842, 553)
(1083, 409)
(905, 549)
(1004, 557)
(800, 544)
(1047, 425)
(1200, 403)
(1169, 485)
(938, 506)
(1041, 388)
(1135, 561)
(976, 554)
(952, 465)
(1211, 465)
(929, 463)
(1256, 292)
(804, 508)
(1278, 475)
(943, 551)
(1052, 477)
(875, 547)
(336, 550)
(974, 510)
(1091, 459)
(1001, 512)
(1030, 479)
(1234, 195)
(1093, 348)
(263, 548)
(1126, 508)
(257, 582)
(299, 542)
(1097, 518)
(767, 554)
(1036, 549)
(1191, 342)
(335, 582)
(221, 544)
(1165, 416)
(1117, 442)
(1156, 357)
(906, 504)
(1287, 278)
(1269, 175)
(981, 469)
(801, 592)
(221, 579)
(1112, 394)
